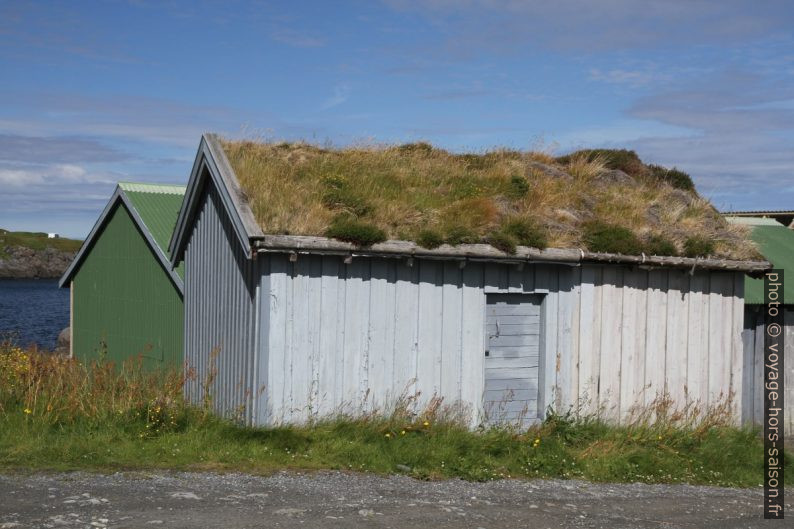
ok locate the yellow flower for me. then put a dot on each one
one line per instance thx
(27, 411)
(426, 423)
(387, 436)
(402, 433)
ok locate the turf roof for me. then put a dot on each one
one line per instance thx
(420, 193)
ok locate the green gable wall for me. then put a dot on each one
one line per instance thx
(124, 302)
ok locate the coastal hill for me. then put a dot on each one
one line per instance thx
(34, 255)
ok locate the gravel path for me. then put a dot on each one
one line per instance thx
(335, 499)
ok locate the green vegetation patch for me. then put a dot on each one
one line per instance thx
(35, 241)
(622, 159)
(660, 245)
(697, 246)
(675, 177)
(429, 239)
(354, 231)
(610, 238)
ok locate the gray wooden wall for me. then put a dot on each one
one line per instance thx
(342, 337)
(626, 336)
(753, 397)
(221, 292)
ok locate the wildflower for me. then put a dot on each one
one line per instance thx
(402, 432)
(387, 436)
(27, 411)
(426, 423)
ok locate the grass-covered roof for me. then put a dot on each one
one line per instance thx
(598, 200)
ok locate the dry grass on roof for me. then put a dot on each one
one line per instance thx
(419, 193)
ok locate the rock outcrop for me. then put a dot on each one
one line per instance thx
(19, 262)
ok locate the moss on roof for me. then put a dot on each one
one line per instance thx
(417, 192)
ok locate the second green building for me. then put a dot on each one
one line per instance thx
(126, 299)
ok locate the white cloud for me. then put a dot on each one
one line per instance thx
(52, 175)
(340, 95)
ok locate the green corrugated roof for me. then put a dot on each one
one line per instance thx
(158, 206)
(776, 242)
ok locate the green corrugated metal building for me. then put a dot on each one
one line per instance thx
(126, 300)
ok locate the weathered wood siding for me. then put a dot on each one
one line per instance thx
(220, 313)
(628, 336)
(342, 337)
(753, 396)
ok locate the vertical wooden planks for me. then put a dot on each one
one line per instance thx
(720, 312)
(677, 336)
(429, 317)
(300, 357)
(566, 383)
(339, 352)
(381, 329)
(314, 326)
(611, 342)
(328, 348)
(450, 331)
(473, 339)
(748, 379)
(590, 338)
(406, 308)
(655, 335)
(632, 358)
(758, 369)
(698, 339)
(277, 337)
(737, 348)
(356, 333)
(547, 278)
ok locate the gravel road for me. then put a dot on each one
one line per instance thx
(341, 500)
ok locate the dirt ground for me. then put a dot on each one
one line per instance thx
(341, 500)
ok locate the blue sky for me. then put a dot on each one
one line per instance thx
(96, 92)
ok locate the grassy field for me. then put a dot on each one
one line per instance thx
(57, 415)
(35, 241)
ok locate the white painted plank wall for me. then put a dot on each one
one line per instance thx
(644, 334)
(379, 328)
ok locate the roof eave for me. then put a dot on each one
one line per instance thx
(485, 252)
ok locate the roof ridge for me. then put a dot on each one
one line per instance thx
(150, 187)
(754, 221)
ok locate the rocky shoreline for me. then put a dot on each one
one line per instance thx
(19, 262)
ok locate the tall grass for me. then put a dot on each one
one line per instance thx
(424, 194)
(58, 414)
